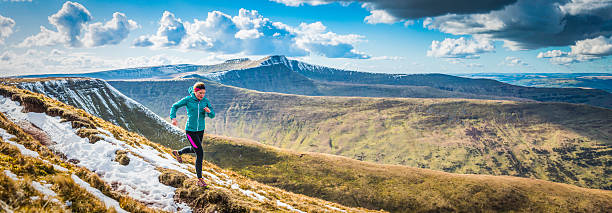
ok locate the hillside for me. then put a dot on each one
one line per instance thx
(398, 188)
(559, 142)
(55, 157)
(356, 183)
(98, 98)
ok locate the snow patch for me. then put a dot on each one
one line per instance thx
(109, 202)
(249, 193)
(11, 175)
(279, 203)
(24, 151)
(57, 167)
(215, 76)
(44, 189)
(334, 208)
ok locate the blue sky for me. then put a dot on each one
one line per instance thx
(412, 36)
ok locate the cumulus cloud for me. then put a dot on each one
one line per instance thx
(312, 38)
(250, 33)
(69, 21)
(460, 48)
(73, 30)
(111, 32)
(6, 28)
(599, 8)
(380, 16)
(533, 24)
(45, 37)
(513, 61)
(585, 50)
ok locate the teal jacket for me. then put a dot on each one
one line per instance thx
(195, 111)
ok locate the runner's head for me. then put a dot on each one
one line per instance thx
(199, 89)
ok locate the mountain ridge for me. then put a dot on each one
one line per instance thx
(440, 84)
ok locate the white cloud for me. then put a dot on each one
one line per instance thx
(584, 50)
(602, 8)
(7, 56)
(460, 48)
(71, 22)
(6, 28)
(380, 16)
(171, 30)
(45, 37)
(250, 33)
(600, 46)
(143, 41)
(552, 54)
(111, 32)
(513, 61)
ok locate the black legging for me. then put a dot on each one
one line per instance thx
(195, 140)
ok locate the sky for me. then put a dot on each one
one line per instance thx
(383, 36)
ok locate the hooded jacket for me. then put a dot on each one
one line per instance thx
(195, 111)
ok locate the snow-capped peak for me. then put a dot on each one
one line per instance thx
(276, 59)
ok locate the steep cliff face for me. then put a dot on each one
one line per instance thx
(100, 99)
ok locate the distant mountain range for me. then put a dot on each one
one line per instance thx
(601, 81)
(279, 74)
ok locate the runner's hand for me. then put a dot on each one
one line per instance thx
(207, 109)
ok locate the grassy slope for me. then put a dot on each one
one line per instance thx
(216, 199)
(560, 142)
(397, 188)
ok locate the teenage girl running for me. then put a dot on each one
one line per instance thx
(198, 108)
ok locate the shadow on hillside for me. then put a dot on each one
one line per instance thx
(588, 121)
(237, 156)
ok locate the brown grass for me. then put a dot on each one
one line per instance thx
(224, 200)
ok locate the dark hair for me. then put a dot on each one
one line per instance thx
(199, 85)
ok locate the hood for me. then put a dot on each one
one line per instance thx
(190, 91)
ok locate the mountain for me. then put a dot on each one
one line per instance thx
(601, 81)
(356, 183)
(336, 82)
(450, 83)
(278, 75)
(55, 157)
(561, 142)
